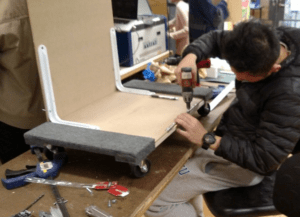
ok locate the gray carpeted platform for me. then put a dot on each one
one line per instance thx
(125, 148)
(200, 92)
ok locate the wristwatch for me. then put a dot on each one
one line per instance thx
(208, 140)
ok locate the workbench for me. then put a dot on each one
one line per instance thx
(86, 167)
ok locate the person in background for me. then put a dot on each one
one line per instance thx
(180, 25)
(21, 100)
(204, 16)
(259, 130)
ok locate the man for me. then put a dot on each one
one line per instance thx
(204, 16)
(261, 127)
(20, 93)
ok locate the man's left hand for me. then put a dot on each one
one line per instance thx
(193, 130)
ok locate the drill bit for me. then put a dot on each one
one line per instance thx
(34, 202)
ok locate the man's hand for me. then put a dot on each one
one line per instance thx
(188, 61)
(193, 129)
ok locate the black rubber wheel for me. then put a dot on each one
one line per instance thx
(204, 110)
(49, 154)
(136, 171)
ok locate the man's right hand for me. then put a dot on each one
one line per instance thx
(188, 61)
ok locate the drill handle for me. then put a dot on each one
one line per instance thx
(202, 64)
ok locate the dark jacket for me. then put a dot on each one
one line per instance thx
(204, 17)
(262, 126)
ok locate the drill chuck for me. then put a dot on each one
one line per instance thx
(187, 98)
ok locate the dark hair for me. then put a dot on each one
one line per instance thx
(251, 47)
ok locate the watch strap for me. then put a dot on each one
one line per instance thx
(205, 146)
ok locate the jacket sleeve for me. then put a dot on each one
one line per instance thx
(207, 45)
(171, 23)
(275, 137)
(183, 18)
(180, 33)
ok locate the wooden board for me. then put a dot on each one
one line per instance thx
(132, 114)
(76, 34)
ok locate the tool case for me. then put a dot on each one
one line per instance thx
(87, 106)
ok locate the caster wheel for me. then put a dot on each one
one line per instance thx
(49, 153)
(204, 110)
(139, 171)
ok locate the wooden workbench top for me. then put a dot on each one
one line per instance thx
(87, 167)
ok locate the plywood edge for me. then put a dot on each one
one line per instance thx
(159, 188)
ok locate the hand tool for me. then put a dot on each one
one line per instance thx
(187, 85)
(187, 79)
(204, 64)
(44, 169)
(60, 201)
(164, 97)
(98, 185)
(15, 173)
(112, 187)
(25, 212)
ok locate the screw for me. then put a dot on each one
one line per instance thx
(109, 203)
(89, 190)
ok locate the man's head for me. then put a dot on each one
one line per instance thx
(251, 49)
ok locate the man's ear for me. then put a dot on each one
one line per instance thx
(275, 68)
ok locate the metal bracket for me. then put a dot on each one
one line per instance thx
(222, 95)
(49, 93)
(116, 65)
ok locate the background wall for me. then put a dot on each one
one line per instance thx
(159, 7)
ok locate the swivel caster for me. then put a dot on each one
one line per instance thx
(204, 110)
(53, 152)
(139, 171)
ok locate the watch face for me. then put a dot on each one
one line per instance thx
(209, 139)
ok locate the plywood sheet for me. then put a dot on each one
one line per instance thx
(132, 114)
(76, 34)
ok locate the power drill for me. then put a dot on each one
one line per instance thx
(187, 85)
(187, 81)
